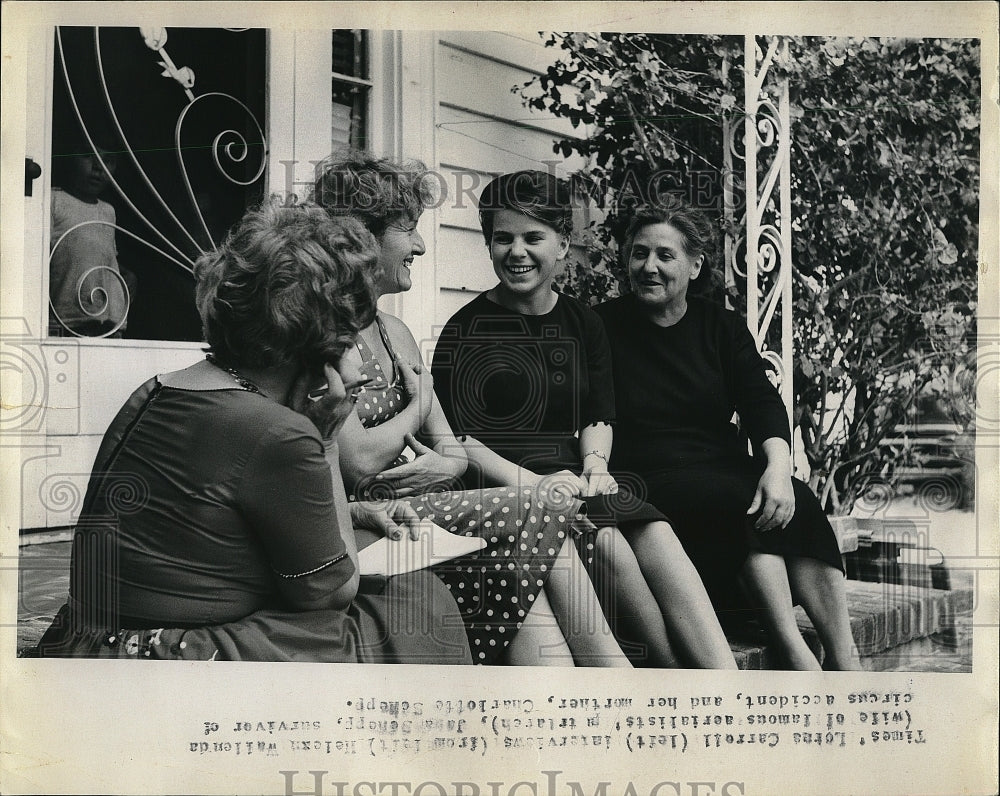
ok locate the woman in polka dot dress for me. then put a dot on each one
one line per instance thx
(525, 598)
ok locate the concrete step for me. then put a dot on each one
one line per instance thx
(897, 628)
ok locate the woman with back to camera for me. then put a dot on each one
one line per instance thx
(682, 367)
(525, 598)
(525, 373)
(215, 524)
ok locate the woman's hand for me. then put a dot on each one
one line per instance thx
(557, 488)
(428, 469)
(598, 480)
(391, 517)
(327, 409)
(774, 498)
(419, 386)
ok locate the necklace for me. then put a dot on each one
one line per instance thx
(239, 378)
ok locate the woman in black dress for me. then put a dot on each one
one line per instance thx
(525, 373)
(682, 366)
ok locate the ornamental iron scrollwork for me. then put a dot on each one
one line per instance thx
(757, 205)
(239, 157)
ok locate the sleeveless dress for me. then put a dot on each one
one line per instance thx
(496, 587)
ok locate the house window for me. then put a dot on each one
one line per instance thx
(158, 147)
(351, 89)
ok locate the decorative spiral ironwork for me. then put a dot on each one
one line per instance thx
(231, 143)
(735, 136)
(99, 300)
(776, 371)
(760, 255)
(228, 147)
(768, 249)
(768, 124)
(117, 276)
(737, 257)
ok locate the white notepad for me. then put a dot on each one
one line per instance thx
(432, 546)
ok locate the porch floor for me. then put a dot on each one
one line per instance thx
(897, 628)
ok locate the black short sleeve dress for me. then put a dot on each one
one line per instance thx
(677, 390)
(525, 385)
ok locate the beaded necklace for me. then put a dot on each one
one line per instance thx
(238, 377)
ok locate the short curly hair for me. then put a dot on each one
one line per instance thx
(376, 190)
(536, 194)
(695, 227)
(289, 284)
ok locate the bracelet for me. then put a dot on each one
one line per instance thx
(596, 453)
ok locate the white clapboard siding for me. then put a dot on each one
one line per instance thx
(484, 129)
(524, 50)
(464, 261)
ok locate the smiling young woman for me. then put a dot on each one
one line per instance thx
(525, 598)
(524, 373)
(527, 255)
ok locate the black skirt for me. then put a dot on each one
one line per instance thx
(706, 504)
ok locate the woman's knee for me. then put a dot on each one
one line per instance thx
(612, 550)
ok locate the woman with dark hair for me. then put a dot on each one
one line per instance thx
(682, 367)
(525, 374)
(525, 598)
(215, 524)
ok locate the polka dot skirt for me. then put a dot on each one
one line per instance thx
(496, 587)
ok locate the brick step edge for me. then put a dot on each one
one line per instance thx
(883, 616)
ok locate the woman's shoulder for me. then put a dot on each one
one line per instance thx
(713, 314)
(480, 316)
(394, 326)
(613, 310)
(572, 304)
(225, 408)
(479, 306)
(402, 339)
(582, 315)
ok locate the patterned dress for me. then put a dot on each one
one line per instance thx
(496, 587)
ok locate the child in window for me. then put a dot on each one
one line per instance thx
(88, 292)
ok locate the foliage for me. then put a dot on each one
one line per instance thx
(885, 143)
(655, 106)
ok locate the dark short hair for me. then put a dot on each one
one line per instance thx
(697, 231)
(536, 194)
(375, 190)
(289, 284)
